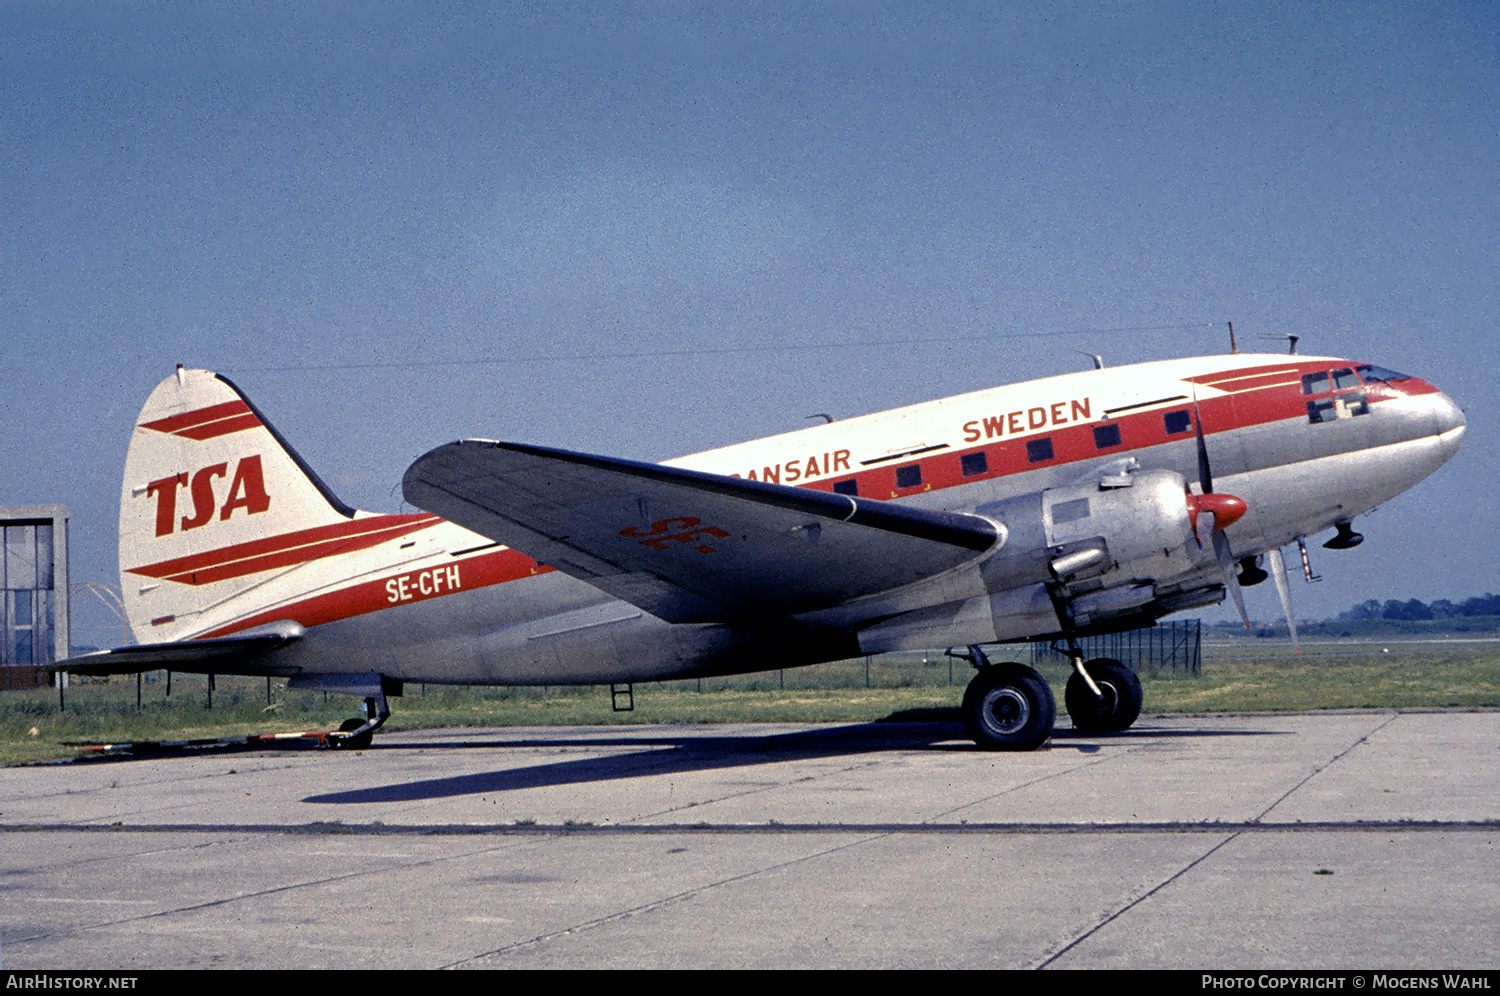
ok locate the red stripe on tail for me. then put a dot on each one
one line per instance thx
(207, 423)
(259, 555)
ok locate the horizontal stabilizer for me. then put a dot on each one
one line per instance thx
(689, 546)
(250, 653)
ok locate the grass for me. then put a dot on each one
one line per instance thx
(1244, 676)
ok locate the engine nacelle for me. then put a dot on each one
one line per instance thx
(1104, 547)
(1131, 529)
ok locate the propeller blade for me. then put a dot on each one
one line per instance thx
(1231, 583)
(1204, 525)
(1278, 571)
(1205, 475)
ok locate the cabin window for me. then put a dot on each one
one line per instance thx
(849, 487)
(1038, 450)
(909, 476)
(1106, 436)
(1178, 421)
(1344, 379)
(974, 463)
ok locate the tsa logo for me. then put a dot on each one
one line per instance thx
(247, 490)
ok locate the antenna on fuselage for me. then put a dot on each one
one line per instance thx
(1234, 347)
(827, 418)
(1098, 360)
(1291, 340)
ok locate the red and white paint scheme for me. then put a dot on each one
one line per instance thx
(1085, 503)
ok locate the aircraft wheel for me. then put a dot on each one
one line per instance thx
(1118, 709)
(354, 743)
(1009, 707)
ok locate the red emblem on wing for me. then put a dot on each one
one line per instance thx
(662, 531)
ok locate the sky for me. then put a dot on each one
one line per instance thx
(648, 229)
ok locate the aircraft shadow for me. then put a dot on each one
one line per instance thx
(698, 753)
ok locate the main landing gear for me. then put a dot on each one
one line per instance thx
(1111, 704)
(1010, 707)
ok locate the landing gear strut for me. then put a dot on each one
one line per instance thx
(1008, 706)
(1117, 703)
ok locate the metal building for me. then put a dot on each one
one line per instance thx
(33, 592)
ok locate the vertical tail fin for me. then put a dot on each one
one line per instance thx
(214, 504)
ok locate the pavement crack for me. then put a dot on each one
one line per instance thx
(1138, 900)
(1060, 773)
(1318, 769)
(656, 904)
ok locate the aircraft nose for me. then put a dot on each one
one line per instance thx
(1451, 424)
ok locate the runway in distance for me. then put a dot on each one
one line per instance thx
(1078, 504)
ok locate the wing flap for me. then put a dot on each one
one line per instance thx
(684, 545)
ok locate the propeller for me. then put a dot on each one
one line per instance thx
(1278, 571)
(1211, 513)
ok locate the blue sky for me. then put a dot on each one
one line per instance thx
(648, 229)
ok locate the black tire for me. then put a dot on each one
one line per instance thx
(1009, 707)
(354, 743)
(1119, 708)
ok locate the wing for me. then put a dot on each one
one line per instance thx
(248, 653)
(684, 545)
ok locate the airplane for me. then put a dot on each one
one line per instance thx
(1080, 504)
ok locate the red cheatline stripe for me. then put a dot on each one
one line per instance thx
(1246, 377)
(1275, 379)
(207, 423)
(267, 554)
(479, 571)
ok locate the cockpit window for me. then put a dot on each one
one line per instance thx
(1344, 397)
(1373, 374)
(1315, 383)
(1337, 407)
(1344, 378)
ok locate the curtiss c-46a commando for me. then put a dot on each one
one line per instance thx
(1080, 504)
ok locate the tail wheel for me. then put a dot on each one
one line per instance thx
(1117, 710)
(1009, 707)
(359, 742)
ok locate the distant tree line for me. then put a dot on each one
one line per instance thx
(1480, 605)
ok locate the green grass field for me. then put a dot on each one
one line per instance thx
(1240, 676)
